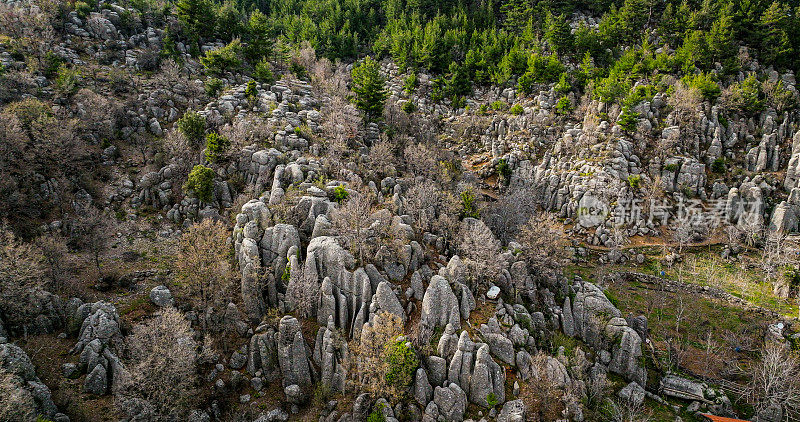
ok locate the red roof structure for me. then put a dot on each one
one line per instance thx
(720, 418)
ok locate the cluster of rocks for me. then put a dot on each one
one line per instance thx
(99, 343)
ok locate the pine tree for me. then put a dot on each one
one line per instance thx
(369, 87)
(557, 33)
(776, 47)
(260, 42)
(197, 16)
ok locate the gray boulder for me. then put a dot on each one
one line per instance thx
(682, 388)
(513, 411)
(633, 393)
(499, 344)
(331, 354)
(385, 300)
(451, 402)
(626, 352)
(474, 370)
(422, 388)
(97, 381)
(161, 296)
(263, 353)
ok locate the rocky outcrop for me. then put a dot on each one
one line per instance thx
(293, 355)
(597, 322)
(99, 343)
(439, 307)
(385, 300)
(474, 370)
(29, 398)
(513, 411)
(263, 353)
(449, 403)
(332, 356)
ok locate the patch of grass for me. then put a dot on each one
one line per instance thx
(569, 343)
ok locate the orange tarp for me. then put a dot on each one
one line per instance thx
(720, 418)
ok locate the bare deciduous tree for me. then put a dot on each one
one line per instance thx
(382, 157)
(371, 363)
(54, 250)
(162, 370)
(682, 233)
(421, 161)
(622, 410)
(202, 266)
(90, 229)
(351, 221)
(511, 210)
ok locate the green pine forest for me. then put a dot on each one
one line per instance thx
(516, 42)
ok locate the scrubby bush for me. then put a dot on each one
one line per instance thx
(216, 145)
(192, 126)
(402, 365)
(746, 96)
(213, 87)
(340, 194)
(469, 206)
(718, 166)
(516, 110)
(409, 107)
(410, 83)
(67, 80)
(201, 183)
(499, 105)
(504, 170)
(564, 106)
(634, 180)
(263, 72)
(705, 83)
(251, 92)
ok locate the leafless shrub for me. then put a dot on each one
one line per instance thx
(775, 382)
(776, 255)
(542, 395)
(622, 410)
(162, 369)
(340, 127)
(510, 211)
(682, 232)
(382, 157)
(21, 278)
(54, 251)
(424, 202)
(542, 241)
(685, 102)
(421, 161)
(480, 250)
